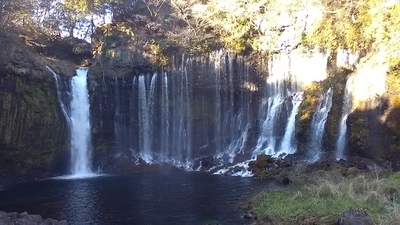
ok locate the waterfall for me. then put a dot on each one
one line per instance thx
(232, 113)
(346, 110)
(318, 126)
(278, 83)
(268, 127)
(80, 127)
(189, 125)
(287, 77)
(208, 107)
(77, 116)
(181, 120)
(289, 144)
(218, 67)
(201, 107)
(59, 97)
(165, 115)
(146, 108)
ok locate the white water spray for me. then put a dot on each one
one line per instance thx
(346, 110)
(146, 108)
(268, 127)
(80, 126)
(318, 126)
(59, 97)
(165, 117)
(288, 145)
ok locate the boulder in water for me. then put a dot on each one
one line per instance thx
(207, 162)
(261, 162)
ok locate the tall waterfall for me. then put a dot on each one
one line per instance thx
(233, 122)
(283, 96)
(346, 110)
(289, 145)
(78, 120)
(80, 127)
(165, 115)
(216, 106)
(318, 126)
(146, 90)
(203, 106)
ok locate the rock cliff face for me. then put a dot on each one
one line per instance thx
(32, 129)
(199, 106)
(373, 130)
(124, 53)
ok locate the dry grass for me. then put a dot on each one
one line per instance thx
(327, 195)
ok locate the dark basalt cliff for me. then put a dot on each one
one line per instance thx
(33, 130)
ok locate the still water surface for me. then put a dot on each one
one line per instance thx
(158, 198)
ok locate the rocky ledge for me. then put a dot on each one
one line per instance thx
(27, 219)
(293, 167)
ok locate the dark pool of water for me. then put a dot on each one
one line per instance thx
(160, 198)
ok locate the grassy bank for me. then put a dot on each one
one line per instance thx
(325, 195)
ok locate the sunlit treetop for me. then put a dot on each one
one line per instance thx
(85, 7)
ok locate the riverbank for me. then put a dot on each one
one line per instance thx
(321, 197)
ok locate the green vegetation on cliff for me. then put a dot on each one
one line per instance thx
(238, 25)
(31, 124)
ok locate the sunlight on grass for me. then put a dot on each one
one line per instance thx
(327, 195)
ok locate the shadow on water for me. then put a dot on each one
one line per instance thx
(183, 198)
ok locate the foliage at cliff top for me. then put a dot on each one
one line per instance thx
(53, 17)
(369, 25)
(238, 25)
(262, 24)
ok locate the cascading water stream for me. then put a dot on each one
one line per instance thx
(78, 120)
(280, 84)
(146, 111)
(233, 123)
(286, 76)
(318, 126)
(218, 102)
(165, 124)
(166, 111)
(288, 145)
(205, 109)
(59, 97)
(267, 131)
(346, 110)
(80, 126)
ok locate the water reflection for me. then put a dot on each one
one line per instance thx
(81, 199)
(183, 198)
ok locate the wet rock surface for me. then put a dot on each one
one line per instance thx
(24, 218)
(282, 169)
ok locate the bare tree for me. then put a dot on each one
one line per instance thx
(154, 6)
